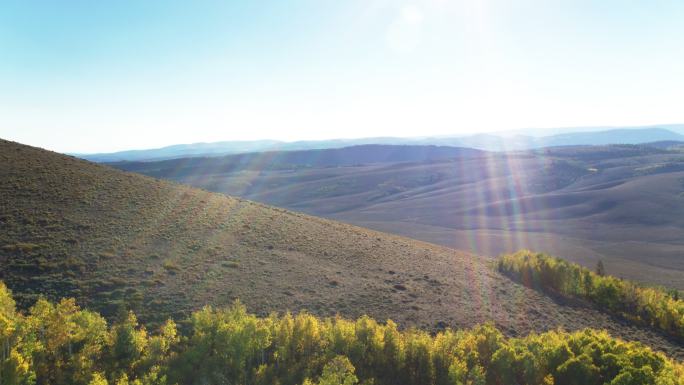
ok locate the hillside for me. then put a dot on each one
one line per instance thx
(619, 203)
(113, 239)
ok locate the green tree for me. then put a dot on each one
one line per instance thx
(65, 342)
(339, 371)
(98, 379)
(159, 347)
(14, 367)
(128, 342)
(393, 354)
(600, 269)
(577, 371)
(419, 365)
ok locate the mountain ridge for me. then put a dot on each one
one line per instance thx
(486, 142)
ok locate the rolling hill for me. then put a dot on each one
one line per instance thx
(620, 203)
(522, 140)
(118, 240)
(289, 160)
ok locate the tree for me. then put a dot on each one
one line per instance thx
(502, 367)
(600, 269)
(577, 371)
(53, 331)
(14, 367)
(98, 379)
(7, 330)
(159, 346)
(419, 365)
(128, 344)
(339, 371)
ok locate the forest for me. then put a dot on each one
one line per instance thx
(655, 307)
(59, 343)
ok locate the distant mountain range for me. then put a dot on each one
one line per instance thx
(292, 160)
(489, 142)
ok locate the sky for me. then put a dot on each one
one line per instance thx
(97, 76)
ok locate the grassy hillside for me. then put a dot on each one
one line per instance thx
(622, 204)
(116, 240)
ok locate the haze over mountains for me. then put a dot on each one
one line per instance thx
(113, 239)
(619, 203)
(491, 142)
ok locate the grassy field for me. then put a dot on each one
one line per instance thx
(117, 240)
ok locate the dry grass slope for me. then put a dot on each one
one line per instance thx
(114, 239)
(622, 204)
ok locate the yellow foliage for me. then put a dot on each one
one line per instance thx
(61, 344)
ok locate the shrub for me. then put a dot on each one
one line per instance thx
(230, 264)
(170, 265)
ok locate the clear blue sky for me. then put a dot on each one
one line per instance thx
(87, 76)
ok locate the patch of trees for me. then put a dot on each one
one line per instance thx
(58, 343)
(651, 306)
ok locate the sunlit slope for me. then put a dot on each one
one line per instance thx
(623, 204)
(113, 240)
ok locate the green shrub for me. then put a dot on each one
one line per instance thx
(170, 265)
(230, 264)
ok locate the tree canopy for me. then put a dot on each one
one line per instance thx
(59, 343)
